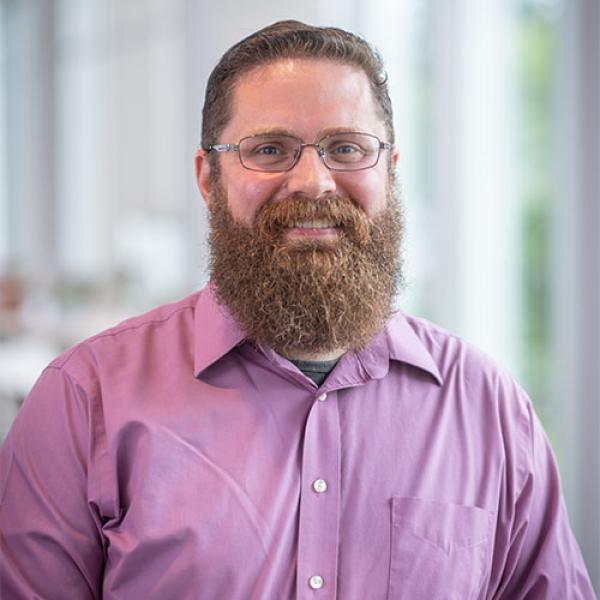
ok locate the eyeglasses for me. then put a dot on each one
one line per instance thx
(274, 153)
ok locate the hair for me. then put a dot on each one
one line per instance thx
(289, 39)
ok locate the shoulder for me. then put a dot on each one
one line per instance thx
(470, 376)
(454, 356)
(135, 339)
(481, 394)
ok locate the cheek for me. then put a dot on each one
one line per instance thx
(247, 195)
(369, 191)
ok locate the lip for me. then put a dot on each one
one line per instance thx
(315, 224)
(312, 232)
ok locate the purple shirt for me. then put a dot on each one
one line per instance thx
(168, 457)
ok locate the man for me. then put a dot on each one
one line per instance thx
(284, 433)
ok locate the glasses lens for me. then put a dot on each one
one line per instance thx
(269, 152)
(350, 151)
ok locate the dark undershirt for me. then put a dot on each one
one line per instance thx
(317, 370)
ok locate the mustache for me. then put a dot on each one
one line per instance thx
(273, 218)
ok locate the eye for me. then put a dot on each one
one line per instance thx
(344, 148)
(268, 149)
(267, 152)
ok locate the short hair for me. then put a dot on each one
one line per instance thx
(290, 39)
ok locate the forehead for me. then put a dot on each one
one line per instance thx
(305, 97)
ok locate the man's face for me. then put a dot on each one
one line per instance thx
(307, 99)
(305, 291)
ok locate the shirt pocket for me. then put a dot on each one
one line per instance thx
(438, 549)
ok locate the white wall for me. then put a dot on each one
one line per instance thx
(576, 259)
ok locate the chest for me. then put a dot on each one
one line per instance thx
(270, 489)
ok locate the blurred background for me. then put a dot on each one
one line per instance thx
(497, 110)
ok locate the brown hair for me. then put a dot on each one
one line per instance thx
(289, 39)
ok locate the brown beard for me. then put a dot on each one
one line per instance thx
(307, 298)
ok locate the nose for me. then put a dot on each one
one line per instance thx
(310, 176)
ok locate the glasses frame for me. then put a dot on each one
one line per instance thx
(317, 145)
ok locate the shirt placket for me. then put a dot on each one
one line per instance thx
(318, 531)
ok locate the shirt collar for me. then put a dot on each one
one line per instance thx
(397, 342)
(217, 332)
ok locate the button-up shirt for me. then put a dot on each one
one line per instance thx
(169, 457)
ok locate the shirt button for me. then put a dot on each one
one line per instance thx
(319, 485)
(316, 582)
(322, 398)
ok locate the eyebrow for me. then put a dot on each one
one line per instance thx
(323, 133)
(270, 131)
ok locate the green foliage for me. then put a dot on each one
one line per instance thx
(537, 59)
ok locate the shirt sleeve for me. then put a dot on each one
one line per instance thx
(543, 559)
(50, 533)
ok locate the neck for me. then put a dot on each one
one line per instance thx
(300, 355)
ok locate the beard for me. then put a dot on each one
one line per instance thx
(307, 298)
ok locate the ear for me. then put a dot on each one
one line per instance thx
(394, 158)
(203, 175)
